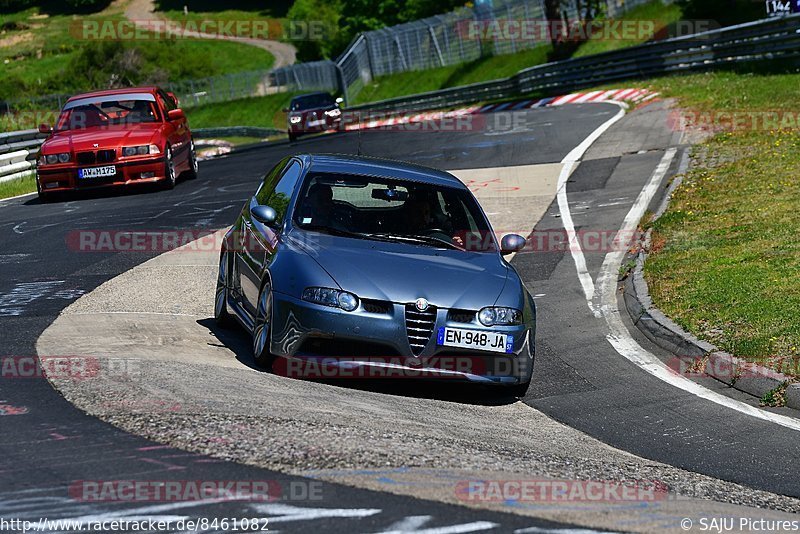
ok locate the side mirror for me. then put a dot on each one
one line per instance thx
(175, 114)
(264, 214)
(511, 243)
(45, 129)
(339, 100)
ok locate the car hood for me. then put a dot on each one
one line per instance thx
(402, 273)
(104, 137)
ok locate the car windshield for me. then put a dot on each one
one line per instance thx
(107, 113)
(384, 209)
(311, 101)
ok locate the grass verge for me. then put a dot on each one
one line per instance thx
(480, 70)
(41, 55)
(726, 261)
(661, 15)
(19, 186)
(264, 111)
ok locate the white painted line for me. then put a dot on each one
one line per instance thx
(621, 339)
(570, 162)
(16, 197)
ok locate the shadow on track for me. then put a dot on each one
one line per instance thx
(239, 343)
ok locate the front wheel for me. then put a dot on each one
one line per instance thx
(261, 330)
(221, 313)
(520, 390)
(292, 137)
(193, 165)
(169, 170)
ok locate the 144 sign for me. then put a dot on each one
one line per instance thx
(782, 7)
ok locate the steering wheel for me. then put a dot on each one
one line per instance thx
(429, 231)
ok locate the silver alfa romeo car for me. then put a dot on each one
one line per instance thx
(343, 266)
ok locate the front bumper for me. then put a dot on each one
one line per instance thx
(62, 178)
(315, 125)
(318, 341)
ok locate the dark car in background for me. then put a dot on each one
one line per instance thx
(312, 113)
(355, 261)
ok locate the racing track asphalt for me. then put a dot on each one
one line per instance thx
(580, 379)
(52, 444)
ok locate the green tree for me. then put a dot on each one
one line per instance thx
(316, 15)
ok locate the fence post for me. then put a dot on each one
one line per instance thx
(342, 84)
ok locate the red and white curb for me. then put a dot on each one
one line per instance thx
(636, 96)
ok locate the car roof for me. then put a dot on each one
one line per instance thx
(370, 166)
(122, 91)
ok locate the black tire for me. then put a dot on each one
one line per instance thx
(221, 313)
(169, 171)
(44, 198)
(292, 137)
(520, 390)
(193, 167)
(261, 329)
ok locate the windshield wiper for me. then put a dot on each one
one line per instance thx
(334, 231)
(422, 239)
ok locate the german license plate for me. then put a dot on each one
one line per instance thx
(475, 339)
(97, 172)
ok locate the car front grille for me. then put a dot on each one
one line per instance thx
(106, 156)
(101, 156)
(86, 158)
(419, 327)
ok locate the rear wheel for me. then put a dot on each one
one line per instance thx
(221, 313)
(169, 170)
(261, 330)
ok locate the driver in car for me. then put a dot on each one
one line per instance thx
(318, 208)
(422, 217)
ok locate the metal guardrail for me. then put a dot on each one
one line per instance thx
(18, 153)
(765, 40)
(235, 131)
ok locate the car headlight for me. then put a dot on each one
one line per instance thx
(295, 120)
(499, 316)
(331, 297)
(141, 150)
(333, 112)
(50, 159)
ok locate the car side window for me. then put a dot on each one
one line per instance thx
(166, 101)
(268, 183)
(282, 194)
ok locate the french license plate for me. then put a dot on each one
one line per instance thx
(97, 172)
(475, 339)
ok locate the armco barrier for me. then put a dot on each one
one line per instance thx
(235, 131)
(18, 153)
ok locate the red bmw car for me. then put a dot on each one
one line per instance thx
(115, 138)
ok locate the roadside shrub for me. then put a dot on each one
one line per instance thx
(12, 6)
